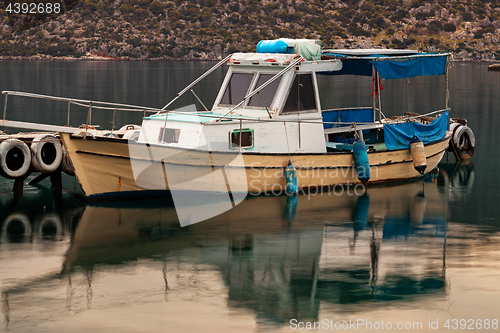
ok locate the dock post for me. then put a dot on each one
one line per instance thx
(5, 107)
(56, 180)
(69, 109)
(18, 187)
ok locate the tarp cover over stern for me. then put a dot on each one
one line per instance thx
(399, 135)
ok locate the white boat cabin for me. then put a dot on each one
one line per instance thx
(269, 102)
(283, 117)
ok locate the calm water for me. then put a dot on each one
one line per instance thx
(420, 252)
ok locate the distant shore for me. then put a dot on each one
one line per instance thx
(43, 57)
(99, 58)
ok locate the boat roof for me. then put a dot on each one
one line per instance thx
(283, 59)
(390, 64)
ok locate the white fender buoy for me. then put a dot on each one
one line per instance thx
(464, 143)
(132, 135)
(11, 221)
(130, 127)
(14, 158)
(66, 164)
(46, 153)
(418, 155)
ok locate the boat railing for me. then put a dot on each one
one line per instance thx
(330, 126)
(410, 117)
(192, 84)
(349, 108)
(373, 124)
(89, 104)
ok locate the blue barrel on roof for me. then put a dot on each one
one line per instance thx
(273, 46)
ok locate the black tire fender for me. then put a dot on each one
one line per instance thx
(66, 164)
(460, 134)
(46, 153)
(14, 158)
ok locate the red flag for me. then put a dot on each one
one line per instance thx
(376, 92)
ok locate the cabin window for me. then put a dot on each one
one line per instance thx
(169, 135)
(237, 88)
(246, 138)
(267, 93)
(301, 96)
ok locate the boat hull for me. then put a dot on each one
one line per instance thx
(105, 168)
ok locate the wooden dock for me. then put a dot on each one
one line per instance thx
(23, 154)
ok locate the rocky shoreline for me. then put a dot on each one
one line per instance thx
(208, 30)
(93, 57)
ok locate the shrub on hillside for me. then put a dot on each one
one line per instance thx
(449, 27)
(410, 41)
(467, 16)
(434, 26)
(156, 8)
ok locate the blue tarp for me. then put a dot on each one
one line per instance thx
(422, 64)
(399, 135)
(347, 116)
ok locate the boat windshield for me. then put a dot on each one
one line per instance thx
(267, 93)
(301, 95)
(237, 88)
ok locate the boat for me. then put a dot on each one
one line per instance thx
(267, 133)
(494, 67)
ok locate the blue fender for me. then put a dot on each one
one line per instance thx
(361, 160)
(291, 180)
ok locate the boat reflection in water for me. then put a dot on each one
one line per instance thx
(278, 258)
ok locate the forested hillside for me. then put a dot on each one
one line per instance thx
(208, 29)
